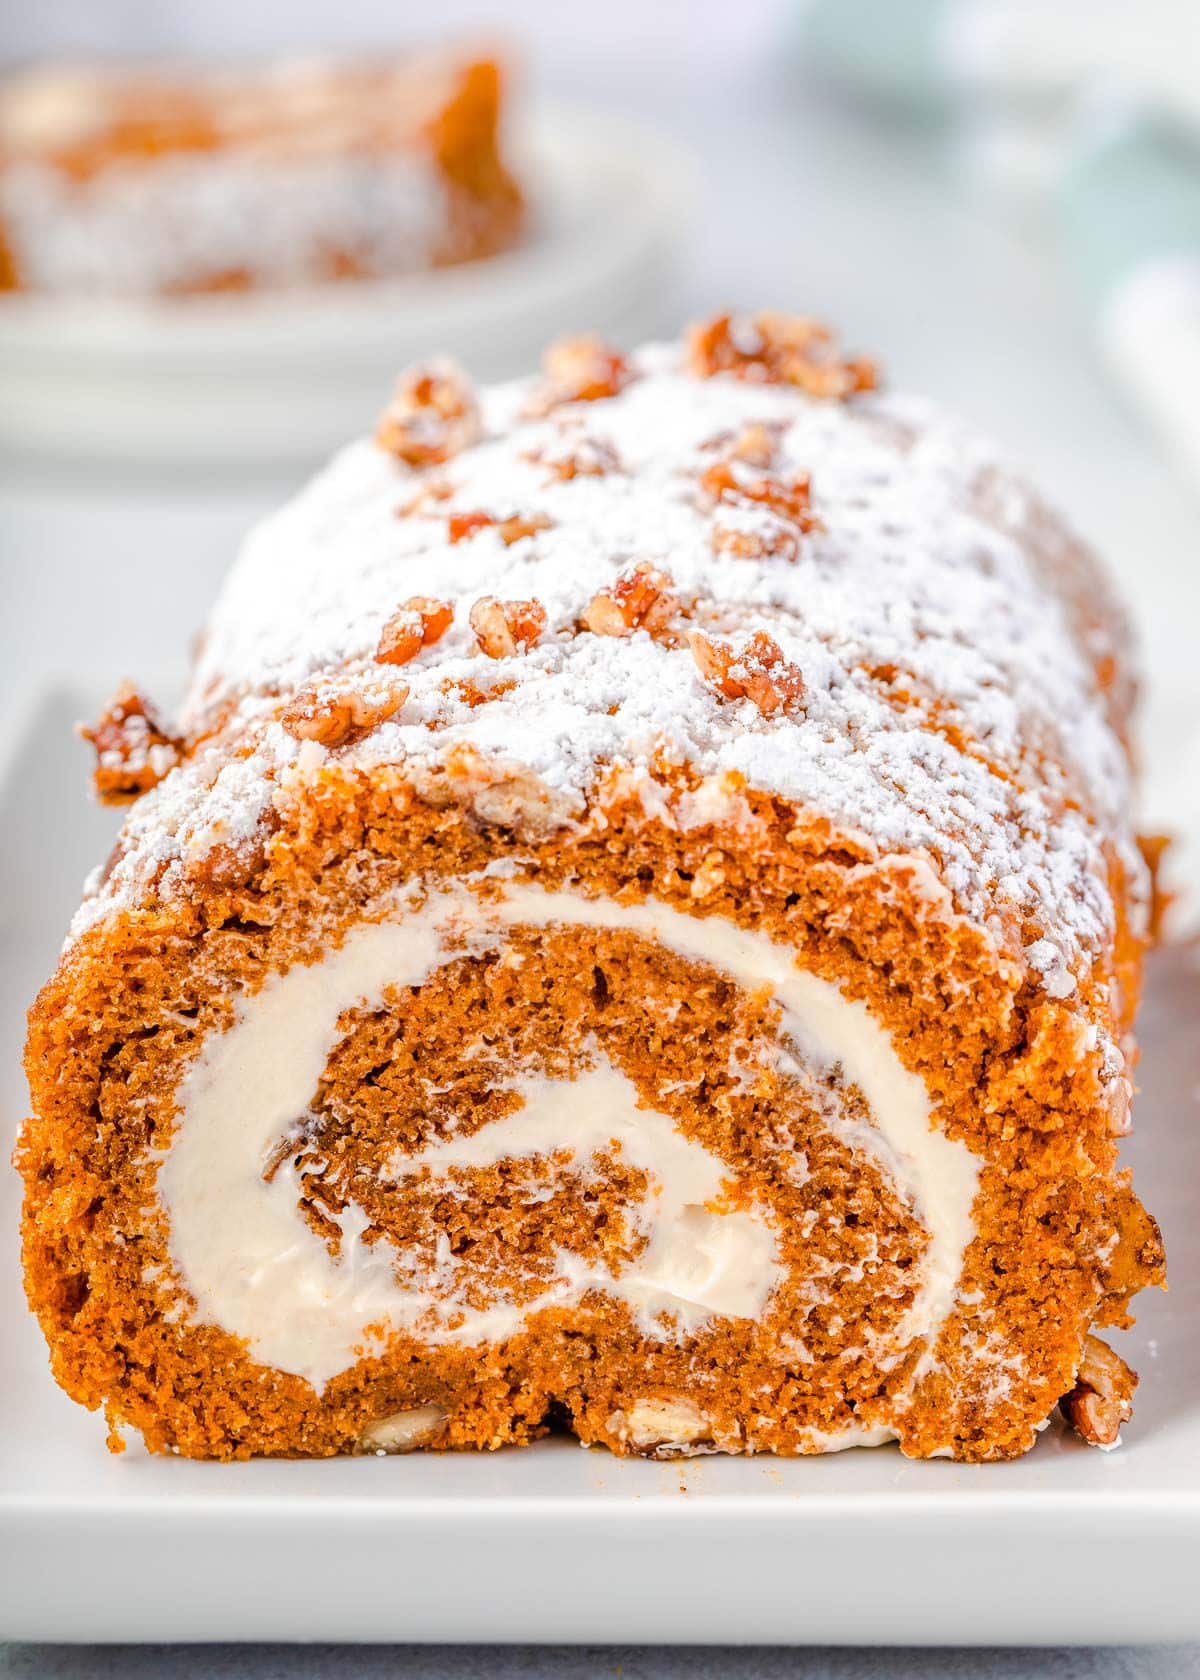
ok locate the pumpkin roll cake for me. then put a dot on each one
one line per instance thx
(157, 180)
(636, 929)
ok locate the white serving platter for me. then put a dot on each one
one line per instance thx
(1068, 1545)
(281, 378)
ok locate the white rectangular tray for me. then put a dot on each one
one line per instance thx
(1067, 1545)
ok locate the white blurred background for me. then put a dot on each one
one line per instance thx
(567, 38)
(912, 196)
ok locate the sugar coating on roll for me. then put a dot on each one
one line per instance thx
(636, 928)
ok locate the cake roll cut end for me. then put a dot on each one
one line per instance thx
(636, 928)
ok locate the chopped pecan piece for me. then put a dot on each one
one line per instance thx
(291, 1141)
(757, 671)
(419, 623)
(231, 865)
(783, 508)
(767, 538)
(461, 526)
(523, 525)
(464, 525)
(661, 1427)
(432, 416)
(510, 530)
(1102, 1399)
(639, 600)
(339, 717)
(503, 628)
(774, 348)
(583, 457)
(402, 1431)
(133, 750)
(495, 793)
(582, 369)
(726, 482)
(780, 511)
(756, 445)
(473, 694)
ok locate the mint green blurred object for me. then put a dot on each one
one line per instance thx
(1130, 213)
(1036, 107)
(1130, 197)
(889, 50)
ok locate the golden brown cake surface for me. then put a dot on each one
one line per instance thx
(637, 925)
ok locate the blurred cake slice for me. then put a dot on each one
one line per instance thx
(147, 180)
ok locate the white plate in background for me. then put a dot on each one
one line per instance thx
(1065, 1546)
(285, 377)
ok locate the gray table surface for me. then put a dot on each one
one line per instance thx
(586, 1662)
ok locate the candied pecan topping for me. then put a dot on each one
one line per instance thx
(464, 525)
(339, 717)
(133, 750)
(790, 498)
(473, 694)
(523, 525)
(584, 457)
(771, 539)
(503, 628)
(1102, 1399)
(756, 445)
(231, 865)
(419, 623)
(432, 416)
(582, 369)
(774, 348)
(639, 600)
(786, 504)
(510, 530)
(757, 671)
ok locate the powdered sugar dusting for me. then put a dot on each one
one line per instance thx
(948, 709)
(138, 228)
